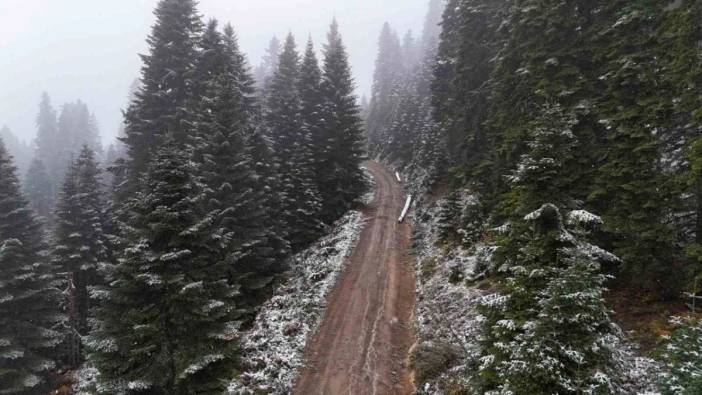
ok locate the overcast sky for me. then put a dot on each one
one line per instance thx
(87, 49)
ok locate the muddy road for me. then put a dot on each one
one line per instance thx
(362, 346)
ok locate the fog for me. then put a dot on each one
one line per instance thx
(88, 49)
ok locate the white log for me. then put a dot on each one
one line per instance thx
(405, 210)
(397, 174)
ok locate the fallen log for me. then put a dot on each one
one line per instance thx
(405, 210)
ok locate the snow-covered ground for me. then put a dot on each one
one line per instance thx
(273, 349)
(447, 322)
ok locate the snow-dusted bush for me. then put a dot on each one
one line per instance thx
(683, 358)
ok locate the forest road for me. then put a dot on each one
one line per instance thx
(362, 346)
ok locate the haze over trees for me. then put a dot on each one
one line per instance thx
(554, 152)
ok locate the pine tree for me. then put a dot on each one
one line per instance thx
(269, 253)
(160, 106)
(38, 187)
(548, 329)
(449, 218)
(30, 319)
(232, 191)
(343, 181)
(631, 188)
(311, 105)
(167, 320)
(292, 147)
(269, 64)
(80, 243)
(683, 358)
(248, 106)
(76, 127)
(406, 124)
(211, 59)
(19, 150)
(386, 83)
(47, 131)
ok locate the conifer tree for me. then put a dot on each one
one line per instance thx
(311, 103)
(160, 106)
(271, 250)
(343, 180)
(449, 218)
(30, 320)
(248, 106)
(548, 329)
(269, 64)
(406, 124)
(210, 63)
(80, 244)
(47, 131)
(232, 192)
(38, 187)
(76, 127)
(293, 150)
(386, 83)
(167, 320)
(683, 358)
(19, 150)
(631, 187)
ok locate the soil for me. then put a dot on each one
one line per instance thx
(363, 343)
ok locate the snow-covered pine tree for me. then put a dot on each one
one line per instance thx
(311, 105)
(232, 193)
(269, 254)
(168, 318)
(80, 243)
(547, 330)
(30, 319)
(159, 108)
(449, 218)
(38, 188)
(406, 123)
(269, 64)
(292, 149)
(265, 256)
(682, 355)
(210, 63)
(47, 131)
(249, 109)
(343, 181)
(20, 151)
(386, 83)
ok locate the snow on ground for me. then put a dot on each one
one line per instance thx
(273, 349)
(446, 320)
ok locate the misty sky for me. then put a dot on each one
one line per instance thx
(87, 49)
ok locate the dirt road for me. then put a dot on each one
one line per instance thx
(363, 343)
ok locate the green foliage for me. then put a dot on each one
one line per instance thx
(168, 317)
(342, 181)
(80, 241)
(167, 80)
(547, 330)
(30, 317)
(292, 145)
(39, 189)
(682, 356)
